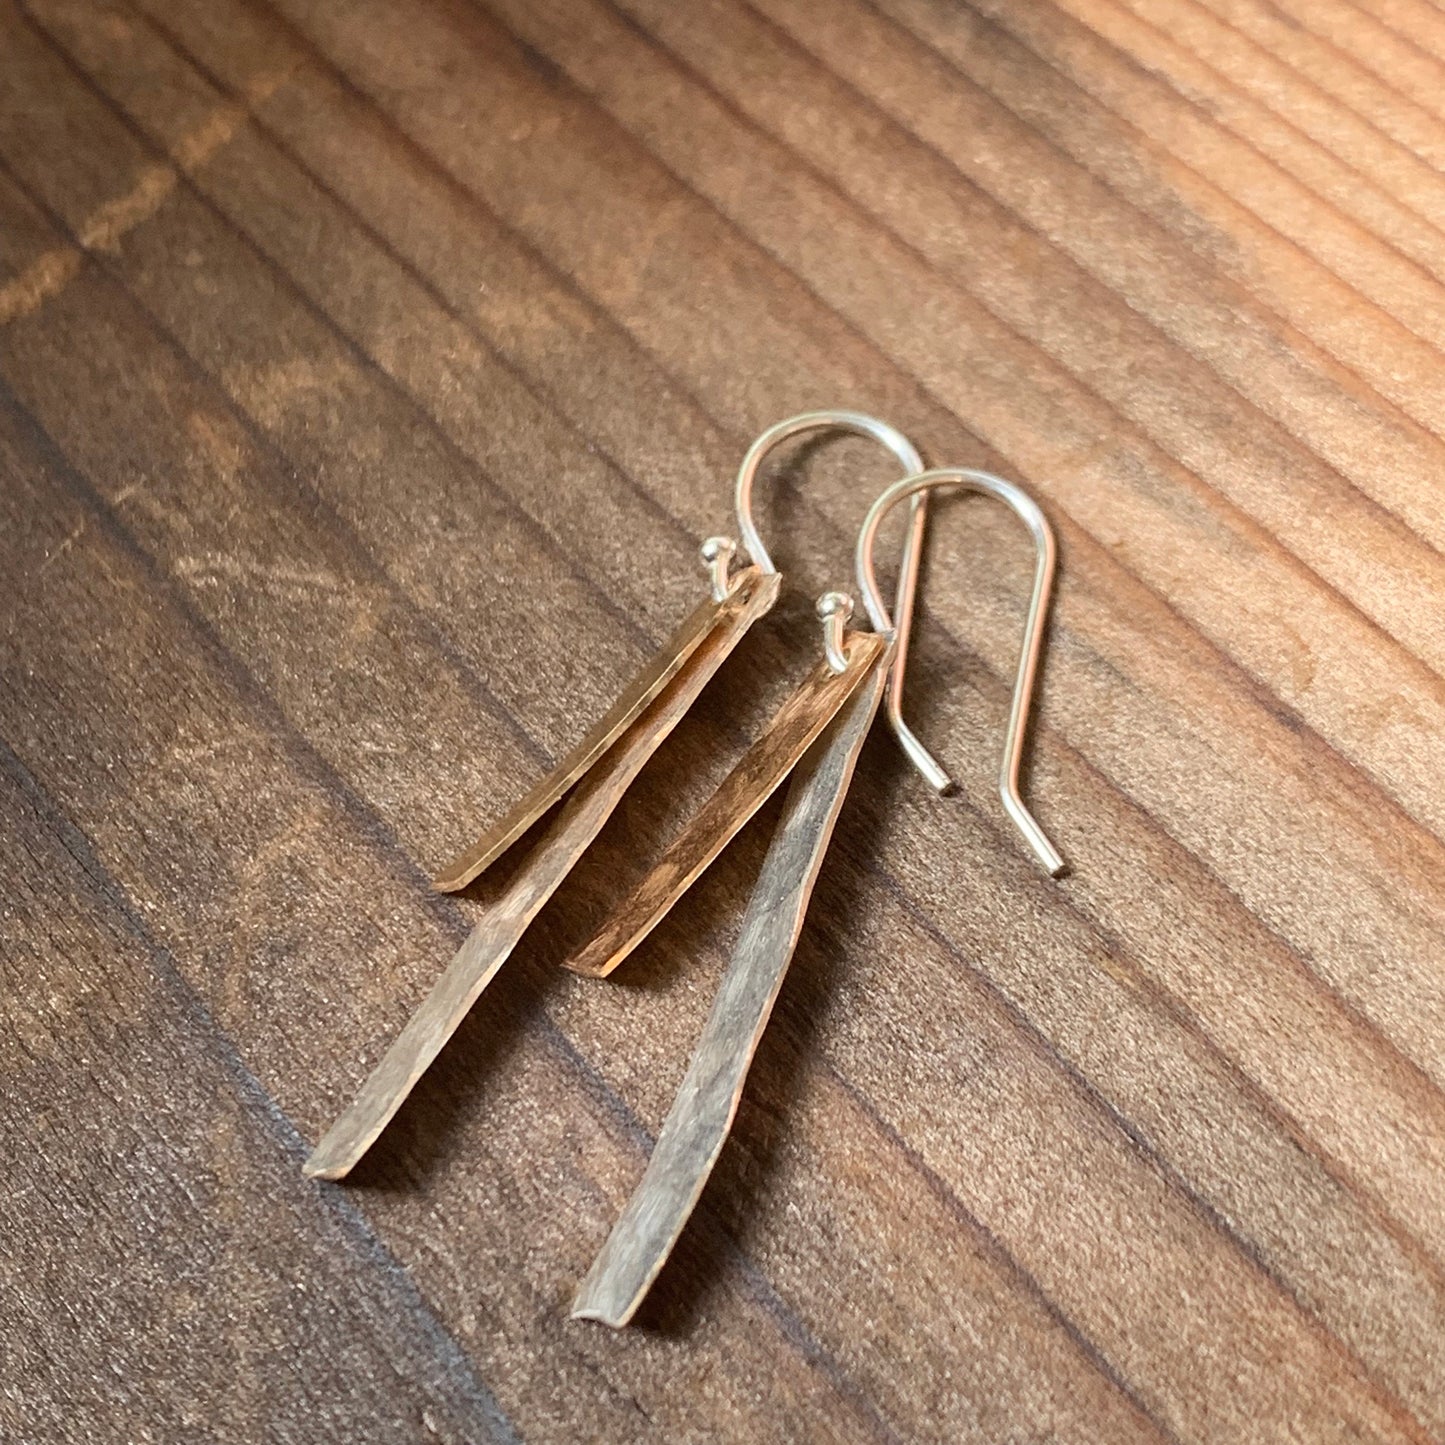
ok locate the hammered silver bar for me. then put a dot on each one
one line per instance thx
(697, 1125)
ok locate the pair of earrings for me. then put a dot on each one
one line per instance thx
(814, 739)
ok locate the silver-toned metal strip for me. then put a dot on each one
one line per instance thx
(697, 1125)
(493, 939)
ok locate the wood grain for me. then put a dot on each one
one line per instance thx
(334, 338)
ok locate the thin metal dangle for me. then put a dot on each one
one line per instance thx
(697, 1125)
(597, 773)
(761, 771)
(770, 759)
(717, 553)
(706, 618)
(491, 942)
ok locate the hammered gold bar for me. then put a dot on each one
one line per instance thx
(493, 939)
(750, 784)
(710, 614)
(697, 1125)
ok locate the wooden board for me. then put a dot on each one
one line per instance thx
(368, 376)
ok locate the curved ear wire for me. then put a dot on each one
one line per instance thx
(850, 421)
(860, 424)
(1045, 559)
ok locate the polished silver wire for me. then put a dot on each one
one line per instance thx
(1045, 560)
(860, 424)
(835, 611)
(717, 556)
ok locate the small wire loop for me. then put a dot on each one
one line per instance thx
(1045, 561)
(835, 610)
(717, 556)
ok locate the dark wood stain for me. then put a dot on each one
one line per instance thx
(368, 376)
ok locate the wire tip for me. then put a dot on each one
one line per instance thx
(583, 1309)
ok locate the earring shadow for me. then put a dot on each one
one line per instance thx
(419, 1140)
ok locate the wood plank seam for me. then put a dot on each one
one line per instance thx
(1246, 522)
(1086, 1088)
(925, 390)
(71, 312)
(1407, 1061)
(377, 831)
(1367, 181)
(1147, 78)
(249, 1089)
(1269, 699)
(337, 787)
(1254, 683)
(1358, 388)
(1243, 297)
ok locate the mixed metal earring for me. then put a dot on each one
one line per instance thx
(598, 771)
(696, 1127)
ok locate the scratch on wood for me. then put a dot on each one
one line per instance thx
(213, 567)
(62, 549)
(108, 224)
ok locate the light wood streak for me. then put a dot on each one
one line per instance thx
(750, 784)
(697, 1125)
(1151, 1156)
(474, 861)
(491, 942)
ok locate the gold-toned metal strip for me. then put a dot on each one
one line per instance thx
(697, 1125)
(710, 614)
(750, 784)
(493, 939)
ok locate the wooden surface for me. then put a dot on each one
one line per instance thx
(369, 373)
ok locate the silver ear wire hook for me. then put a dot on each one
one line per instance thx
(860, 424)
(1045, 557)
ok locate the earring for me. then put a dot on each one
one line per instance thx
(795, 726)
(696, 1127)
(596, 774)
